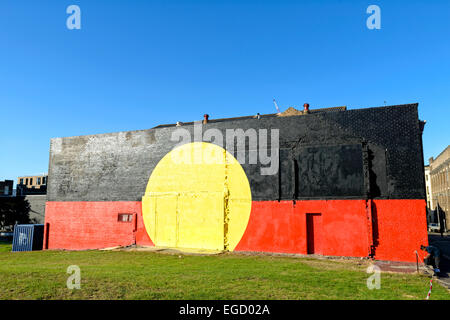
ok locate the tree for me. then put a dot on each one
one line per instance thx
(13, 210)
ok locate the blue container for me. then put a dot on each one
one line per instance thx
(28, 237)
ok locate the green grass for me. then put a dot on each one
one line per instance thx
(147, 275)
(5, 246)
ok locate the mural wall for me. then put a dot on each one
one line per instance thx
(349, 183)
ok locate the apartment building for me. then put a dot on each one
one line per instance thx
(439, 168)
(6, 188)
(32, 184)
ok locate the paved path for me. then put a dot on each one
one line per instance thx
(443, 243)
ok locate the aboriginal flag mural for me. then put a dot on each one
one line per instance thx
(325, 181)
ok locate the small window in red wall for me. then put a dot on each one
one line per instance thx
(125, 217)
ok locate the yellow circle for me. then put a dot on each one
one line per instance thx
(199, 197)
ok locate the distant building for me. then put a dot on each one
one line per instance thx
(32, 185)
(428, 188)
(440, 184)
(33, 181)
(431, 214)
(32, 189)
(6, 188)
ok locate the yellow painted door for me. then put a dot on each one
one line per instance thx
(201, 174)
(201, 220)
(166, 220)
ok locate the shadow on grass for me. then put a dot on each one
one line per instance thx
(5, 246)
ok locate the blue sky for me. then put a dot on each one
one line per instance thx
(136, 64)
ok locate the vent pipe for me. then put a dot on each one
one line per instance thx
(306, 108)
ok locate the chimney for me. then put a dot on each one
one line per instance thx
(205, 118)
(306, 108)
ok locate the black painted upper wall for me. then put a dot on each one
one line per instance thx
(375, 152)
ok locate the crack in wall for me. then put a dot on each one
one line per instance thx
(226, 207)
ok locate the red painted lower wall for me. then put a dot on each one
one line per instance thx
(402, 228)
(336, 227)
(281, 227)
(399, 228)
(93, 225)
